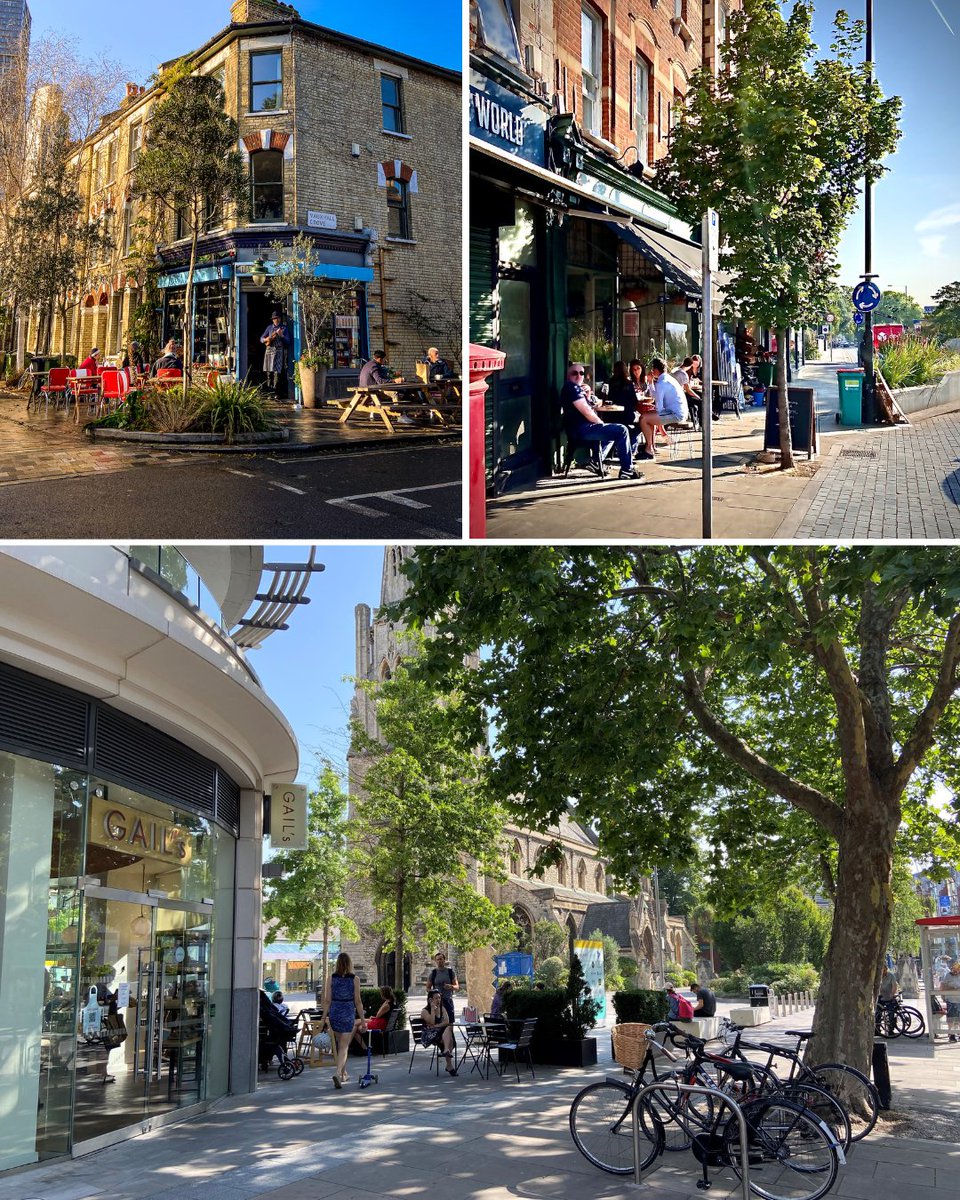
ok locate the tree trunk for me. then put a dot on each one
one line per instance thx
(783, 407)
(843, 1032)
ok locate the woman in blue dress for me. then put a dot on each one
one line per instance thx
(344, 1011)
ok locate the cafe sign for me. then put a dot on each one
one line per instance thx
(288, 817)
(503, 119)
(133, 832)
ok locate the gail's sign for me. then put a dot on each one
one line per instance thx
(139, 833)
(288, 816)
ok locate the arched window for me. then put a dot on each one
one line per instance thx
(521, 918)
(266, 185)
(571, 927)
(516, 858)
(562, 873)
(582, 875)
(598, 880)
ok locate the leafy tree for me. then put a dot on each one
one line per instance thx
(897, 308)
(190, 166)
(805, 133)
(549, 939)
(795, 706)
(907, 909)
(786, 928)
(311, 893)
(945, 319)
(295, 274)
(418, 821)
(677, 888)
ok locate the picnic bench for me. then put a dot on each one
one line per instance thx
(392, 401)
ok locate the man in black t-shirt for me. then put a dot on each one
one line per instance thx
(706, 1005)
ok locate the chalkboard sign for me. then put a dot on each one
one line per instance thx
(801, 402)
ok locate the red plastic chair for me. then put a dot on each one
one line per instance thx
(55, 386)
(168, 376)
(114, 386)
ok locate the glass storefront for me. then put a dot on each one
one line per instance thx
(116, 926)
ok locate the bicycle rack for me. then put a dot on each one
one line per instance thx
(697, 1089)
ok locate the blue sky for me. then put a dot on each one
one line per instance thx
(143, 36)
(916, 232)
(302, 668)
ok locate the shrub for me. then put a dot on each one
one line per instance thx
(734, 984)
(371, 1000)
(787, 977)
(168, 411)
(232, 408)
(912, 361)
(552, 972)
(628, 968)
(647, 1005)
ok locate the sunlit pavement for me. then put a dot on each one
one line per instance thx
(417, 1135)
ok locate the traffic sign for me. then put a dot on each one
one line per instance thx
(866, 296)
(944, 906)
(858, 318)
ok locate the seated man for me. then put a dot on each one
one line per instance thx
(439, 368)
(686, 376)
(671, 405)
(583, 423)
(170, 360)
(706, 1005)
(375, 373)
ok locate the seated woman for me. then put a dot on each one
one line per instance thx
(622, 393)
(381, 1017)
(436, 1028)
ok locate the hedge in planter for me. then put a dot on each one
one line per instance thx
(646, 1005)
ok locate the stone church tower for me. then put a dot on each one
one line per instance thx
(574, 894)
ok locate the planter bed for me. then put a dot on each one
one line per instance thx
(188, 439)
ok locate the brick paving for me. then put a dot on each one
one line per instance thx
(894, 483)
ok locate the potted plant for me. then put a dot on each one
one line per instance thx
(295, 277)
(564, 1016)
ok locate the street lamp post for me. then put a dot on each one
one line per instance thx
(869, 395)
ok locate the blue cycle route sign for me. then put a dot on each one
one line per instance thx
(858, 318)
(944, 906)
(866, 296)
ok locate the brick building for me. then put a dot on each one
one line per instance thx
(575, 893)
(573, 251)
(345, 140)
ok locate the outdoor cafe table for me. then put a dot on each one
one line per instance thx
(477, 1043)
(84, 387)
(389, 400)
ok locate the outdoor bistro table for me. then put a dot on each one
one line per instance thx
(83, 387)
(387, 400)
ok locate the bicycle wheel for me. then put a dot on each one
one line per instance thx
(914, 1024)
(791, 1155)
(678, 1114)
(825, 1107)
(854, 1091)
(602, 1128)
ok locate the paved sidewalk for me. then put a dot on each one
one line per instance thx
(415, 1135)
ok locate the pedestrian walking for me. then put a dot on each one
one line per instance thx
(344, 1009)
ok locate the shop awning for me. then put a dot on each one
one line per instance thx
(291, 950)
(681, 261)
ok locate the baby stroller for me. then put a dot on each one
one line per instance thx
(276, 1032)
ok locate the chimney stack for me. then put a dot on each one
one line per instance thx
(249, 12)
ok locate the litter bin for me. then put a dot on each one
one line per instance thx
(759, 995)
(850, 384)
(881, 1074)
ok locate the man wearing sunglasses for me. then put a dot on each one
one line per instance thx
(583, 423)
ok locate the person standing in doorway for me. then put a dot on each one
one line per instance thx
(276, 339)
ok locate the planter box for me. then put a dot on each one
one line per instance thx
(399, 1044)
(560, 1053)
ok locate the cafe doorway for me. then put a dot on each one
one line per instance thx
(259, 307)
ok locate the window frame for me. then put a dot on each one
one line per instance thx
(278, 54)
(401, 188)
(254, 158)
(134, 144)
(398, 107)
(595, 95)
(642, 108)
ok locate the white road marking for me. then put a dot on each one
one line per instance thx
(393, 493)
(358, 508)
(405, 500)
(287, 487)
(245, 474)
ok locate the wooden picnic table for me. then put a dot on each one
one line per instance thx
(392, 400)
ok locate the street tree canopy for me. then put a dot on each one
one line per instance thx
(779, 143)
(945, 318)
(795, 707)
(421, 826)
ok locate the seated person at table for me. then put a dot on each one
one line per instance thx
(133, 359)
(621, 392)
(170, 359)
(583, 424)
(686, 376)
(382, 1015)
(439, 368)
(496, 1009)
(376, 373)
(436, 1028)
(91, 363)
(671, 405)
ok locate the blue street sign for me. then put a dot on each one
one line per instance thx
(944, 906)
(866, 296)
(858, 318)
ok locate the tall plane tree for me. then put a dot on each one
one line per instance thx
(190, 167)
(798, 705)
(779, 143)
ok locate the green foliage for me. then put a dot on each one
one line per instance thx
(678, 975)
(552, 972)
(549, 939)
(628, 968)
(646, 1005)
(371, 1000)
(806, 131)
(678, 886)
(234, 407)
(907, 909)
(144, 325)
(550, 1007)
(420, 815)
(897, 308)
(913, 361)
(945, 319)
(788, 927)
(295, 277)
(786, 976)
(733, 984)
(582, 1009)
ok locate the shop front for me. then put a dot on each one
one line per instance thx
(117, 860)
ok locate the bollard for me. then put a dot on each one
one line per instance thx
(881, 1073)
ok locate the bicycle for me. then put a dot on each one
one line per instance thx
(893, 1018)
(785, 1139)
(851, 1087)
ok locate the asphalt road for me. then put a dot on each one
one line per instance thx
(383, 495)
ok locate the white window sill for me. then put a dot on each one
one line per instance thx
(402, 241)
(406, 137)
(596, 140)
(268, 112)
(270, 224)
